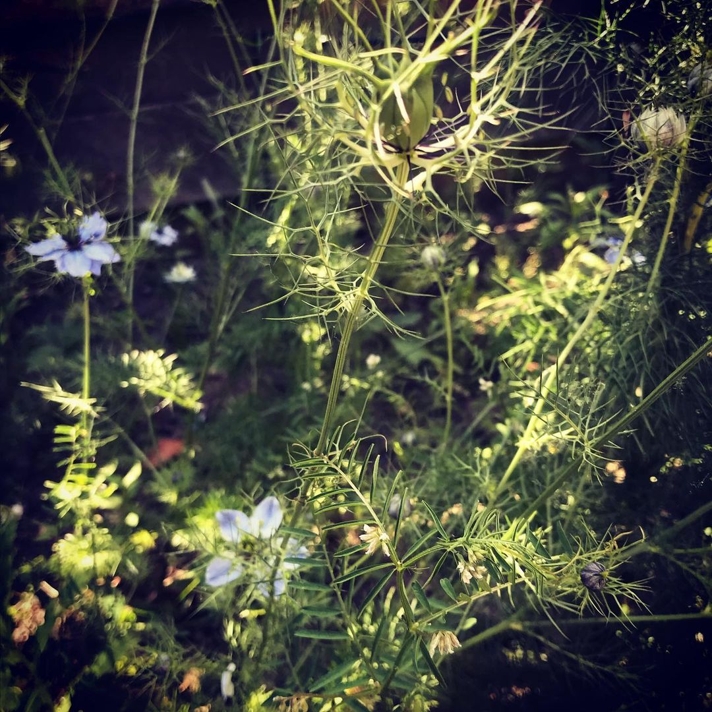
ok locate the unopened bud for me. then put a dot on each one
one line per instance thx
(659, 128)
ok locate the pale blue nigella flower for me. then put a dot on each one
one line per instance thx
(236, 527)
(88, 254)
(614, 245)
(165, 237)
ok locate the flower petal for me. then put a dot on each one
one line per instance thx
(92, 228)
(47, 249)
(280, 587)
(101, 252)
(232, 524)
(74, 263)
(221, 571)
(294, 551)
(266, 518)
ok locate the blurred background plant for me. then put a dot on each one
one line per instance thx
(409, 418)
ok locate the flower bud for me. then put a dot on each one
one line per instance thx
(700, 79)
(659, 128)
(433, 257)
(593, 576)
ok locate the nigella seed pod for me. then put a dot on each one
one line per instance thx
(593, 576)
(405, 114)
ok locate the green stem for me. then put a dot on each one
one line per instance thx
(548, 385)
(672, 209)
(450, 361)
(359, 298)
(131, 149)
(86, 373)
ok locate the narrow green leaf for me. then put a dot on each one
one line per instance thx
(321, 634)
(420, 596)
(436, 521)
(365, 571)
(332, 676)
(301, 533)
(538, 546)
(447, 587)
(309, 586)
(350, 550)
(430, 662)
(320, 612)
(375, 591)
(563, 539)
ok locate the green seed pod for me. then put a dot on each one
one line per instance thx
(406, 132)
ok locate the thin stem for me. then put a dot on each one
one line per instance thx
(86, 372)
(672, 208)
(359, 298)
(131, 149)
(548, 385)
(450, 360)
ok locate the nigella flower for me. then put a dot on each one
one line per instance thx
(614, 245)
(593, 576)
(87, 254)
(165, 237)
(237, 528)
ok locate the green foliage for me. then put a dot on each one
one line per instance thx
(444, 405)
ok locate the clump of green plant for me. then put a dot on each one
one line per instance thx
(452, 412)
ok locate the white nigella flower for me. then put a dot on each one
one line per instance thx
(262, 525)
(659, 128)
(180, 274)
(444, 642)
(375, 537)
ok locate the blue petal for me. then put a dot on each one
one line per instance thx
(279, 586)
(221, 571)
(294, 551)
(74, 263)
(92, 228)
(266, 518)
(232, 524)
(611, 255)
(101, 252)
(48, 249)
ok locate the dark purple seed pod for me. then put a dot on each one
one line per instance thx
(593, 577)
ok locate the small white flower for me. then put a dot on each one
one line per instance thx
(166, 237)
(372, 361)
(486, 386)
(375, 537)
(468, 571)
(180, 274)
(444, 642)
(659, 128)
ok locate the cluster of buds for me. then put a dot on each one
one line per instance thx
(28, 616)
